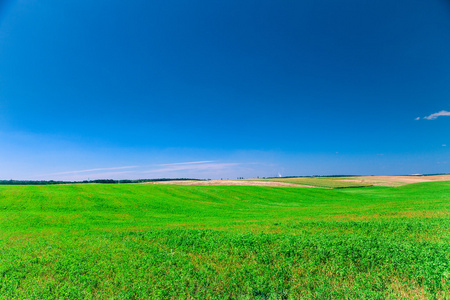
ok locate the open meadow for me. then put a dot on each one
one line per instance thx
(145, 241)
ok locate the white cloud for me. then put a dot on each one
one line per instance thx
(92, 170)
(418, 118)
(188, 163)
(444, 145)
(93, 176)
(195, 166)
(438, 114)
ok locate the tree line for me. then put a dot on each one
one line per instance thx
(100, 181)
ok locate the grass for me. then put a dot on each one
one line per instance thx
(323, 182)
(224, 242)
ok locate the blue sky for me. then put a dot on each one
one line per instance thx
(223, 89)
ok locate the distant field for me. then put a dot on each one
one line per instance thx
(225, 242)
(323, 182)
(318, 182)
(360, 181)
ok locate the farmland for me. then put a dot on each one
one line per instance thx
(322, 182)
(225, 242)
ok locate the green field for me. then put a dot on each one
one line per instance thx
(224, 242)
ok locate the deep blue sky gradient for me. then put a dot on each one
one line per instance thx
(255, 88)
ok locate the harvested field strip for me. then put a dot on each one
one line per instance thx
(396, 180)
(322, 182)
(230, 182)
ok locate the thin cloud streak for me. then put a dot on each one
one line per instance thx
(198, 167)
(438, 114)
(92, 170)
(108, 175)
(188, 163)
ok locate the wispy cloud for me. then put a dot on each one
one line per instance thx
(188, 163)
(107, 175)
(92, 170)
(193, 166)
(436, 115)
(92, 176)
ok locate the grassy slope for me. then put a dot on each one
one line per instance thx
(126, 241)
